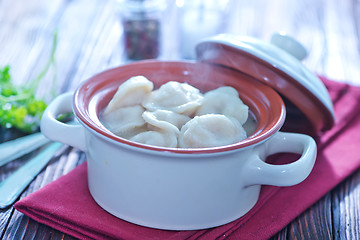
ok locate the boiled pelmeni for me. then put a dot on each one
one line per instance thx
(173, 96)
(125, 122)
(159, 132)
(156, 138)
(130, 93)
(225, 101)
(160, 116)
(210, 130)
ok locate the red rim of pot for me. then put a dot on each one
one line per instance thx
(264, 103)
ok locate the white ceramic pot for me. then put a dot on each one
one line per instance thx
(179, 189)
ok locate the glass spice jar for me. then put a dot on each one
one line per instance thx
(198, 20)
(141, 21)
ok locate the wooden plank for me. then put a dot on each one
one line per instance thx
(22, 28)
(317, 221)
(69, 65)
(346, 208)
(101, 43)
(71, 36)
(340, 56)
(314, 223)
(20, 223)
(282, 235)
(5, 171)
(36, 184)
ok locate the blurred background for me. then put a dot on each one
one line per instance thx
(97, 34)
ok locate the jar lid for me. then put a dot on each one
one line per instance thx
(278, 65)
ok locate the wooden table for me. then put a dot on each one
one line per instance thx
(89, 41)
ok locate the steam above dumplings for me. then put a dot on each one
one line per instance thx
(176, 115)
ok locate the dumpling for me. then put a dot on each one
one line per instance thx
(160, 116)
(154, 121)
(130, 93)
(226, 101)
(210, 130)
(156, 138)
(126, 121)
(173, 96)
(160, 132)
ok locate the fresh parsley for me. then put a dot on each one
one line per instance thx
(19, 107)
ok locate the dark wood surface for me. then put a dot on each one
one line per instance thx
(89, 41)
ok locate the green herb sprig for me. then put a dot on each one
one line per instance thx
(19, 107)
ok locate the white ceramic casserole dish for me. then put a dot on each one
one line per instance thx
(173, 188)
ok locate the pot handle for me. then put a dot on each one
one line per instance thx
(258, 172)
(68, 133)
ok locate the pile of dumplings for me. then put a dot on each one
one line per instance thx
(176, 115)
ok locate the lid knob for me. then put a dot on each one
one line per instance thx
(289, 44)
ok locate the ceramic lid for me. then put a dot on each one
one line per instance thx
(278, 65)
